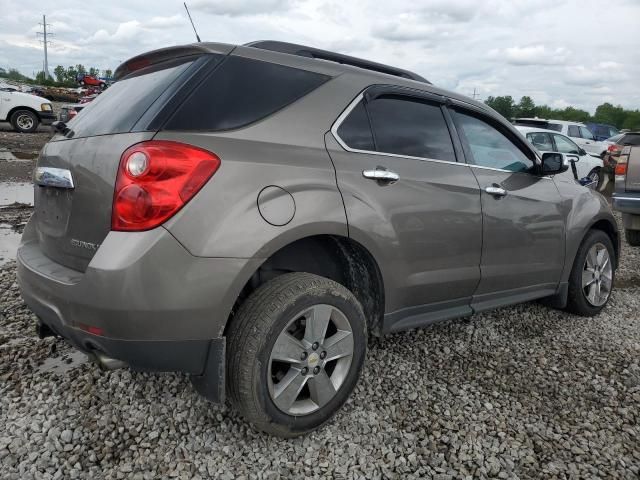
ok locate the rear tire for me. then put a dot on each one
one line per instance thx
(285, 317)
(633, 237)
(24, 121)
(592, 276)
(596, 176)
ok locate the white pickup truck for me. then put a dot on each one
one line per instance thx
(24, 111)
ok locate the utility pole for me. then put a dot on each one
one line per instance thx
(45, 42)
(475, 95)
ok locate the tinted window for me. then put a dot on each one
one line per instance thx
(490, 147)
(542, 141)
(574, 131)
(630, 139)
(355, 130)
(241, 91)
(409, 127)
(564, 145)
(555, 126)
(586, 133)
(118, 108)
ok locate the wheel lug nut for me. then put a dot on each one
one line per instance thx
(315, 345)
(304, 371)
(323, 355)
(304, 355)
(316, 370)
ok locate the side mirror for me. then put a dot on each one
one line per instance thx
(554, 163)
(582, 151)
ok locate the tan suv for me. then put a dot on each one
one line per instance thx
(250, 214)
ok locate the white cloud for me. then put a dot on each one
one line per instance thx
(541, 48)
(531, 55)
(240, 7)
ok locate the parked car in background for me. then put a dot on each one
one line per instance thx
(616, 144)
(25, 111)
(238, 222)
(67, 112)
(90, 81)
(602, 131)
(552, 141)
(579, 132)
(626, 197)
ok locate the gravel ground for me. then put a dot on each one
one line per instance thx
(522, 392)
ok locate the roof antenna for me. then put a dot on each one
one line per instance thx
(194, 27)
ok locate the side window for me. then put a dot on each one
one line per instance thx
(564, 145)
(542, 141)
(586, 133)
(404, 126)
(574, 131)
(242, 91)
(555, 126)
(490, 147)
(355, 130)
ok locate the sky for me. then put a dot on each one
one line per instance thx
(559, 52)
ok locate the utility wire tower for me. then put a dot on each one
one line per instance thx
(475, 95)
(45, 42)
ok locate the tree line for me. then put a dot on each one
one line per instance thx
(607, 113)
(63, 77)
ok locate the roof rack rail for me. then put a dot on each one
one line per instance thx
(304, 51)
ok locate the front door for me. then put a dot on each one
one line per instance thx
(523, 224)
(410, 203)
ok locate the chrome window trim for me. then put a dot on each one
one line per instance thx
(345, 114)
(354, 103)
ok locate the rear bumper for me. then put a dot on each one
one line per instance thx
(626, 202)
(153, 305)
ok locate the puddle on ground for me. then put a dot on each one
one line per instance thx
(12, 192)
(8, 156)
(9, 242)
(63, 364)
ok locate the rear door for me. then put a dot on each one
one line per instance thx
(76, 172)
(410, 202)
(523, 225)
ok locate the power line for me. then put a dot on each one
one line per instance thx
(45, 41)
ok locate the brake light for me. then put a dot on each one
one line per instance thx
(613, 149)
(621, 169)
(155, 180)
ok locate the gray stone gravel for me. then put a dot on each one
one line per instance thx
(522, 392)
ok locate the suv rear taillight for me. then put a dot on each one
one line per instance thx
(614, 149)
(155, 180)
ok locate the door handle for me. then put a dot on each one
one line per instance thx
(496, 191)
(381, 175)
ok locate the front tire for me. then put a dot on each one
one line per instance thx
(24, 121)
(633, 237)
(592, 275)
(295, 351)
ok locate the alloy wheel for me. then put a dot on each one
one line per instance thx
(597, 275)
(310, 360)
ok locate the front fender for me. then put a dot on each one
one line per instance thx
(583, 209)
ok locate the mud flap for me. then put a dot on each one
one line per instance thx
(211, 384)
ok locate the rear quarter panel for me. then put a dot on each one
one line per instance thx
(285, 150)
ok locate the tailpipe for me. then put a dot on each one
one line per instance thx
(107, 363)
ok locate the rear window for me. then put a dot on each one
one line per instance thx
(404, 126)
(242, 91)
(118, 108)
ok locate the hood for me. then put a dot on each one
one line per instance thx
(28, 97)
